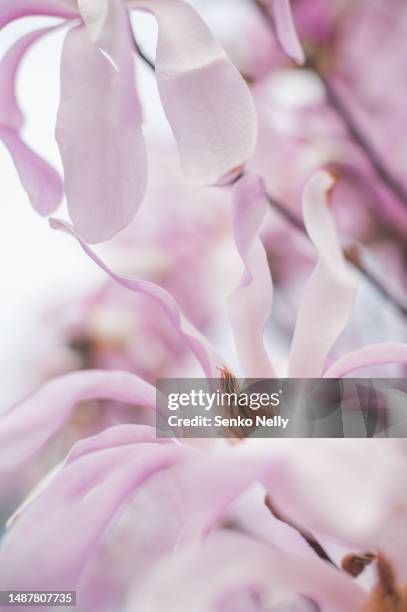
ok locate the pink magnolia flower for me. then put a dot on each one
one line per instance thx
(170, 243)
(176, 530)
(210, 528)
(326, 304)
(99, 120)
(335, 112)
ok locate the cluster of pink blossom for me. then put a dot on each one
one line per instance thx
(288, 141)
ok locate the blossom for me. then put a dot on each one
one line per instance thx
(99, 119)
(214, 533)
(109, 327)
(326, 303)
(334, 112)
(132, 521)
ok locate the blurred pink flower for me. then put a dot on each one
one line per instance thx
(173, 532)
(99, 120)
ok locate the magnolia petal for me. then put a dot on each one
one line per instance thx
(198, 345)
(226, 486)
(374, 354)
(212, 484)
(250, 304)
(41, 182)
(10, 10)
(286, 31)
(361, 512)
(25, 428)
(99, 131)
(10, 113)
(330, 292)
(228, 561)
(206, 101)
(81, 500)
(119, 435)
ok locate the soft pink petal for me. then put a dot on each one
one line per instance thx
(14, 9)
(10, 113)
(286, 30)
(211, 485)
(51, 541)
(41, 182)
(359, 503)
(206, 101)
(198, 345)
(119, 435)
(374, 354)
(226, 486)
(99, 131)
(250, 304)
(330, 292)
(228, 561)
(29, 425)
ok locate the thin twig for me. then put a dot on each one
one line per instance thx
(362, 141)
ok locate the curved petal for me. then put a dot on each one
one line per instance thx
(250, 304)
(286, 31)
(80, 501)
(10, 113)
(374, 354)
(10, 10)
(26, 427)
(41, 182)
(228, 561)
(112, 437)
(99, 130)
(330, 292)
(198, 345)
(359, 503)
(206, 101)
